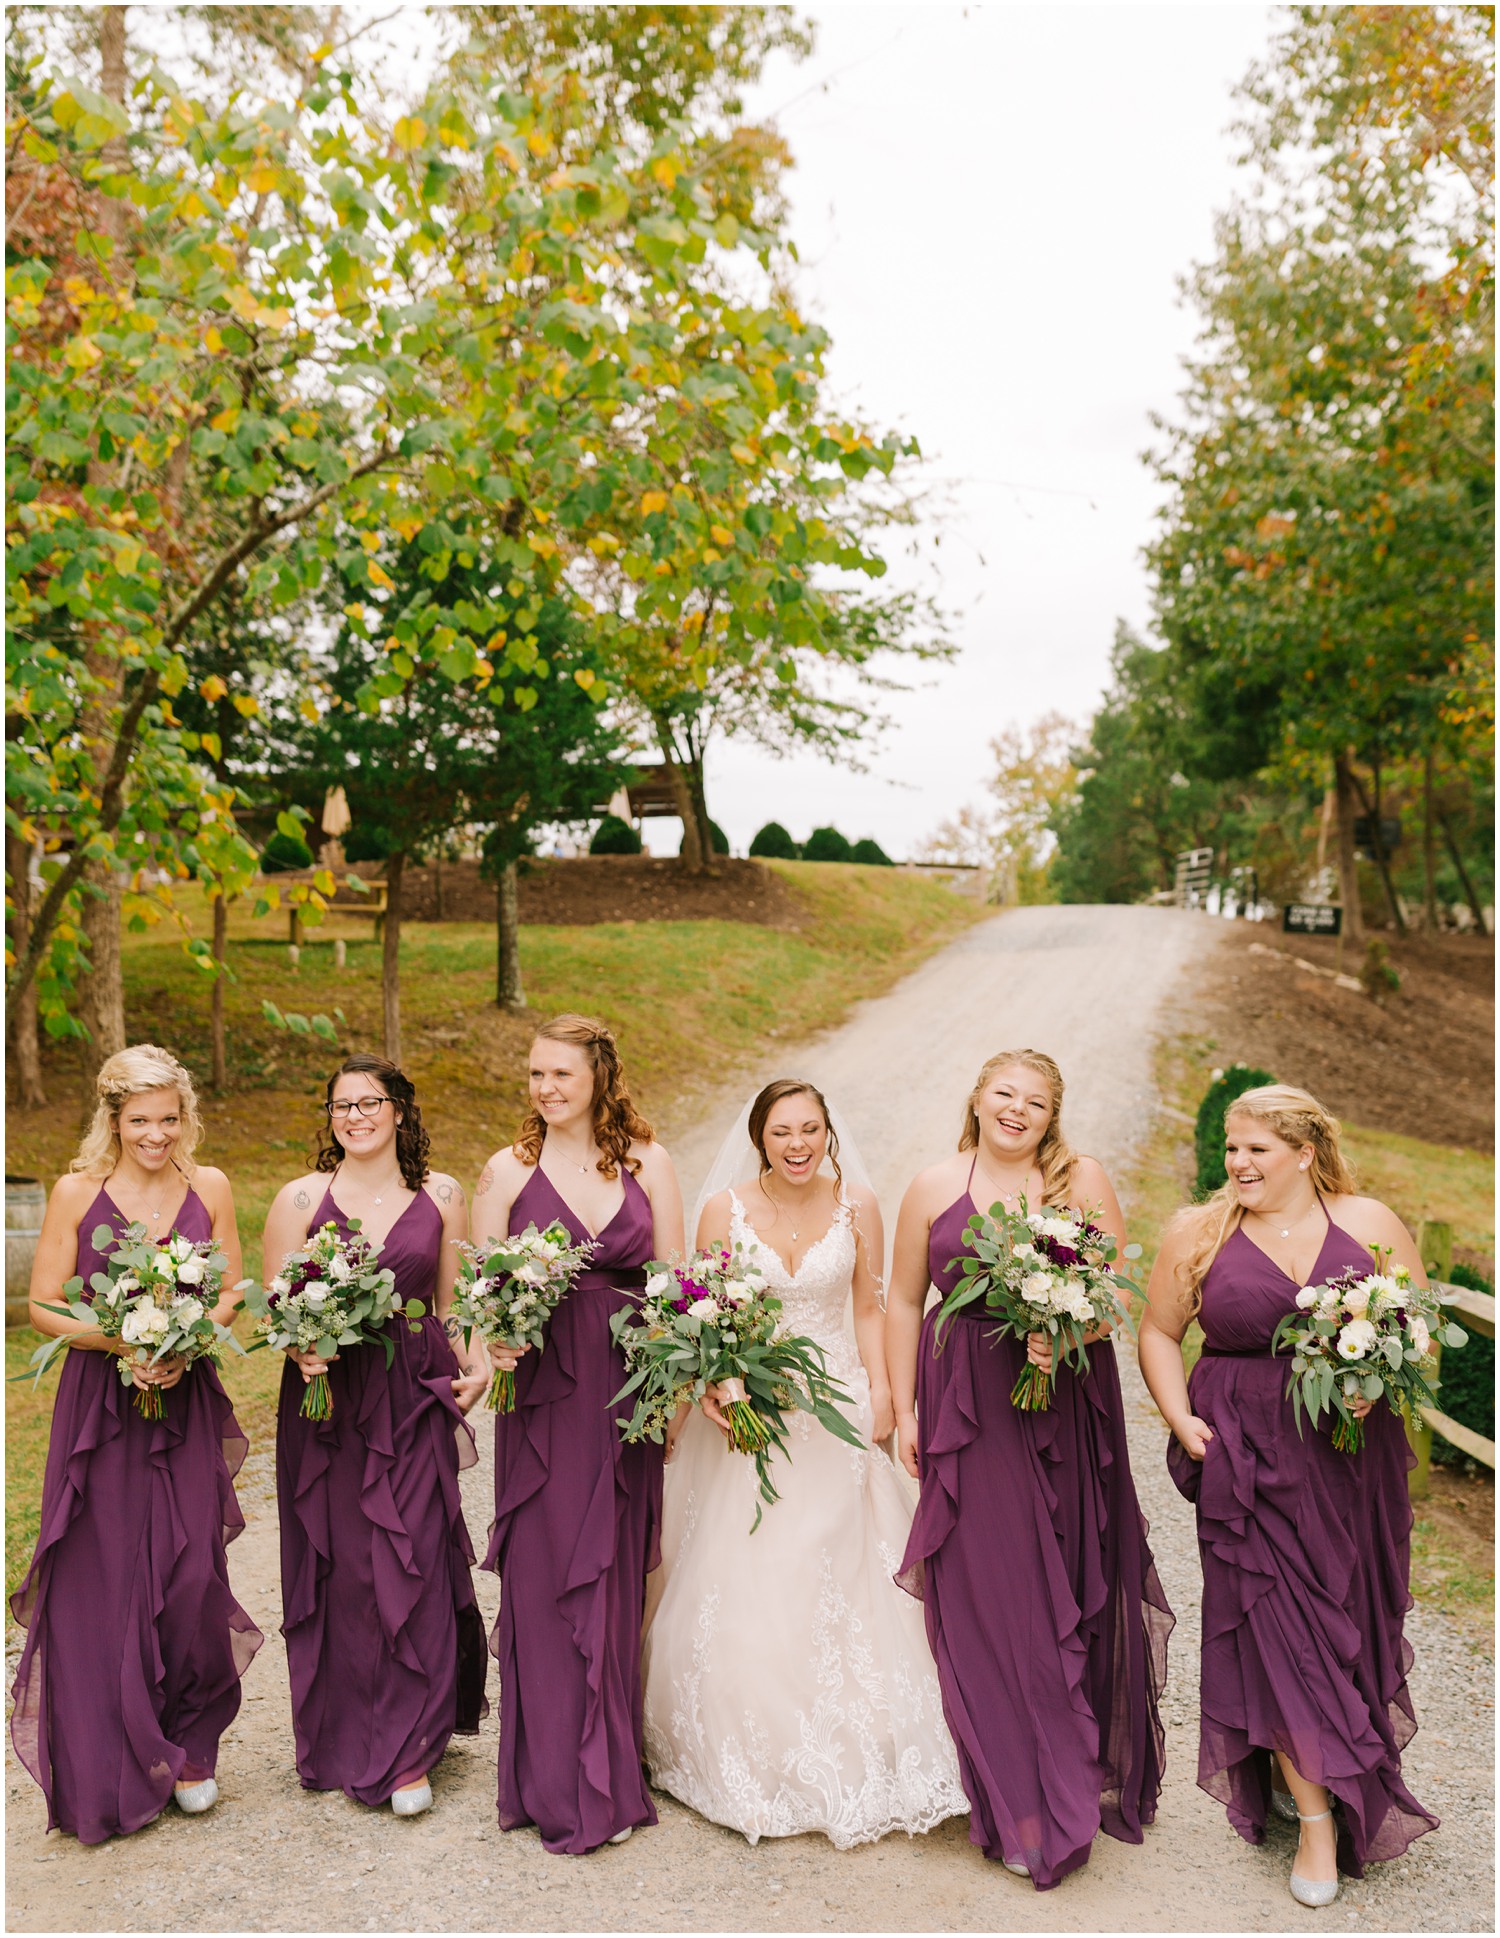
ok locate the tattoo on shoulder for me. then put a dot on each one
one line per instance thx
(486, 1179)
(444, 1191)
(302, 1201)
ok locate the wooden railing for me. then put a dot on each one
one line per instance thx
(1475, 1312)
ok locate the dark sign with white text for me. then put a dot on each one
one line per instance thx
(1311, 918)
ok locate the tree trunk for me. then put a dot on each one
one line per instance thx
(1372, 810)
(437, 888)
(101, 992)
(1343, 782)
(694, 775)
(1327, 820)
(24, 1037)
(221, 943)
(390, 960)
(508, 991)
(1429, 849)
(1476, 907)
(682, 794)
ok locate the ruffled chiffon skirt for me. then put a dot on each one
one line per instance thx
(1306, 1556)
(577, 1519)
(384, 1640)
(135, 1645)
(1044, 1611)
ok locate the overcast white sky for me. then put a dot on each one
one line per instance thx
(993, 205)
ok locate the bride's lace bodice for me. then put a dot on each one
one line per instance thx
(814, 1297)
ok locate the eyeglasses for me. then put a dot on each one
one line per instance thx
(356, 1106)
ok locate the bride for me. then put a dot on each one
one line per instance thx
(789, 1685)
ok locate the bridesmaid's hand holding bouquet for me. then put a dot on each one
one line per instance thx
(508, 1289)
(1360, 1337)
(712, 1322)
(331, 1293)
(1049, 1272)
(157, 1300)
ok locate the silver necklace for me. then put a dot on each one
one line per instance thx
(1285, 1230)
(777, 1208)
(375, 1197)
(1006, 1197)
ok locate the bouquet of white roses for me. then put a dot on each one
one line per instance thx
(1360, 1336)
(507, 1290)
(332, 1293)
(712, 1322)
(1041, 1271)
(158, 1298)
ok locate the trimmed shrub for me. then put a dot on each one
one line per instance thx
(1467, 1375)
(871, 854)
(773, 843)
(718, 837)
(1209, 1134)
(826, 844)
(615, 837)
(284, 851)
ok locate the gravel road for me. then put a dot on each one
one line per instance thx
(1092, 986)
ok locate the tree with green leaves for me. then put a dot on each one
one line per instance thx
(1325, 557)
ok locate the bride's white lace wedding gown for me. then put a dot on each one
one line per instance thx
(789, 1685)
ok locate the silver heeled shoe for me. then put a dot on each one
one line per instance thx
(1284, 1806)
(623, 1836)
(413, 1800)
(1020, 1870)
(1303, 1889)
(194, 1798)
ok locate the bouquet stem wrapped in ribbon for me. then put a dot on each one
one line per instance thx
(1041, 1271)
(159, 1297)
(712, 1322)
(1362, 1335)
(331, 1293)
(507, 1290)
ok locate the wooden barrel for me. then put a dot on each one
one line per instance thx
(25, 1201)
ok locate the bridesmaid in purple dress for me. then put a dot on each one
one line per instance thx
(384, 1640)
(577, 1512)
(1029, 1550)
(1305, 1551)
(135, 1645)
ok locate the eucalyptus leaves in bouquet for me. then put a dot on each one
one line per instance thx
(156, 1297)
(333, 1292)
(1362, 1335)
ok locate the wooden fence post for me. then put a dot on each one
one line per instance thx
(1435, 1243)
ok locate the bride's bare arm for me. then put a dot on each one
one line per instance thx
(869, 1320)
(906, 1295)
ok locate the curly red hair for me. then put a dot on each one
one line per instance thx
(617, 1122)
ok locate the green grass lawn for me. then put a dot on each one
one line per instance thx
(689, 1001)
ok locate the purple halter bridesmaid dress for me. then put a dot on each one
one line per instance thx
(384, 1639)
(1044, 1611)
(1306, 1555)
(577, 1525)
(135, 1645)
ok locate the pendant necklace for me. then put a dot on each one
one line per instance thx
(794, 1231)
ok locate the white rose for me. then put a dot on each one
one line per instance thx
(704, 1309)
(280, 1286)
(339, 1269)
(1061, 1230)
(187, 1312)
(1036, 1286)
(137, 1326)
(1023, 1251)
(1357, 1340)
(126, 1282)
(1417, 1333)
(180, 1248)
(1308, 1297)
(737, 1291)
(315, 1296)
(192, 1271)
(659, 1284)
(1357, 1299)
(534, 1272)
(548, 1249)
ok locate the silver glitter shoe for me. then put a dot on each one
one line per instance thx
(622, 1836)
(1303, 1889)
(194, 1798)
(413, 1800)
(1019, 1869)
(1283, 1805)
